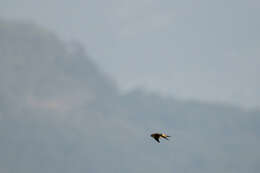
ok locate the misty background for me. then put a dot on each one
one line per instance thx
(84, 84)
(203, 50)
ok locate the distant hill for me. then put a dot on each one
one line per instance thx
(60, 113)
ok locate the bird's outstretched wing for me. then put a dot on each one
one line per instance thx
(157, 139)
(156, 136)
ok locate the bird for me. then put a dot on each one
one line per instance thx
(157, 136)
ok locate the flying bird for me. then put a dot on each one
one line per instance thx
(157, 136)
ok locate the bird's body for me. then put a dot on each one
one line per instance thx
(157, 136)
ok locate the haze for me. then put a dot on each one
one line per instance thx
(203, 50)
(62, 112)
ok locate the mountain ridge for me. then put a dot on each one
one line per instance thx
(60, 113)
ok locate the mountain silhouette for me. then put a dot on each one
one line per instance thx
(60, 113)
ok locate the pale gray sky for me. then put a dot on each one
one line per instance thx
(207, 50)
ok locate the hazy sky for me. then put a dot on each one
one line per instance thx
(207, 50)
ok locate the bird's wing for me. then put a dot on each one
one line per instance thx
(157, 139)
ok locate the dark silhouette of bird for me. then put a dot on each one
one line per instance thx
(157, 136)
